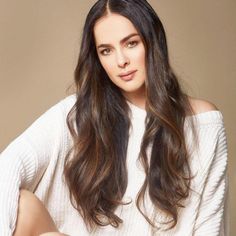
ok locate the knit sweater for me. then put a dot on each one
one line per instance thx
(35, 159)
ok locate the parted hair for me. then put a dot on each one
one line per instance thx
(99, 122)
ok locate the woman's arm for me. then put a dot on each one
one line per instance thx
(53, 234)
(212, 210)
(24, 161)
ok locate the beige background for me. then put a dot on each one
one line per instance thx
(39, 42)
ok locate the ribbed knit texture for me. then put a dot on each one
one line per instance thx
(35, 161)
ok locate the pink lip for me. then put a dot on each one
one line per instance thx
(128, 76)
(127, 73)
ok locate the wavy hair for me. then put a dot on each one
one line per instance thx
(95, 168)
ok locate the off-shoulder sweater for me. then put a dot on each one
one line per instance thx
(35, 161)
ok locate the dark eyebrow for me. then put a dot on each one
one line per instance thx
(121, 41)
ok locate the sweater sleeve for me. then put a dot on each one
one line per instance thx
(24, 161)
(212, 210)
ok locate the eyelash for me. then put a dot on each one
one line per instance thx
(131, 42)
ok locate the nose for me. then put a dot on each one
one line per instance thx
(122, 60)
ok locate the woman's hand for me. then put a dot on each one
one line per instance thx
(53, 234)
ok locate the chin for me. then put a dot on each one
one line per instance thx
(135, 88)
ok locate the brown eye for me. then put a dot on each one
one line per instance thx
(132, 44)
(105, 51)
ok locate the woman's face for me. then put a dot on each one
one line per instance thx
(121, 52)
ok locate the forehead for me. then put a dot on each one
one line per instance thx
(112, 28)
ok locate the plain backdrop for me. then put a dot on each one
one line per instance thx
(39, 45)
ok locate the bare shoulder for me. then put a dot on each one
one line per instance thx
(201, 106)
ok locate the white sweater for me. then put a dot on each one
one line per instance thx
(35, 160)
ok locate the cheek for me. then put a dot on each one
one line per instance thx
(107, 65)
(138, 57)
(141, 56)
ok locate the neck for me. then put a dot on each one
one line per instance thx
(138, 98)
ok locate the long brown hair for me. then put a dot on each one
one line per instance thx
(95, 168)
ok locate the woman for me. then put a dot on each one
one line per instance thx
(129, 154)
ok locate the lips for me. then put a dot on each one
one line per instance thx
(128, 75)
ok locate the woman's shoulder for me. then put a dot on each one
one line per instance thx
(65, 104)
(201, 106)
(57, 112)
(205, 112)
(68, 101)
